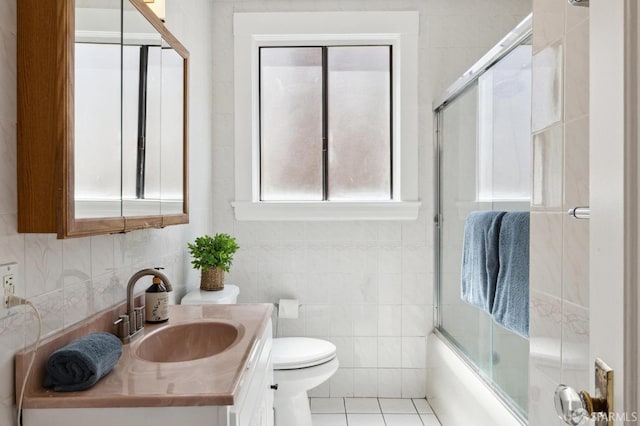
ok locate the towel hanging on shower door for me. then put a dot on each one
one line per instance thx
(480, 262)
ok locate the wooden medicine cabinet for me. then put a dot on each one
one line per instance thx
(102, 118)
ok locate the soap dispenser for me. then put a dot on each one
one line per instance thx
(156, 300)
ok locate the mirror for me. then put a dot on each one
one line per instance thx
(102, 118)
(129, 110)
(98, 99)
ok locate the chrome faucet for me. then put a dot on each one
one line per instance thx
(131, 324)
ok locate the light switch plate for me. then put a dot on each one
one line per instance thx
(604, 390)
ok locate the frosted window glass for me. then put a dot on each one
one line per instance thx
(291, 123)
(359, 101)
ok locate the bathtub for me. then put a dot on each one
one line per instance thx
(457, 394)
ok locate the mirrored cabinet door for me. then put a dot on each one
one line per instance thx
(97, 109)
(102, 118)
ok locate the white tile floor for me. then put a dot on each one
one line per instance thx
(372, 412)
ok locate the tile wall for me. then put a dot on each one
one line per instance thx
(559, 350)
(366, 286)
(72, 279)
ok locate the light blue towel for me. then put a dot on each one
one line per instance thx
(511, 305)
(80, 364)
(480, 263)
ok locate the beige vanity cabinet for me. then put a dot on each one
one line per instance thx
(102, 118)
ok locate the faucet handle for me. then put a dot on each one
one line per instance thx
(122, 326)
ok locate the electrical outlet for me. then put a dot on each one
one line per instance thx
(8, 273)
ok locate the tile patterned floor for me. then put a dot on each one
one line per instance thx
(372, 412)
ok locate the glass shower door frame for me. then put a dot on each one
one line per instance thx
(516, 37)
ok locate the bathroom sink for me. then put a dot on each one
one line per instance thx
(188, 341)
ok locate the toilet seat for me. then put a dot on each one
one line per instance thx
(289, 353)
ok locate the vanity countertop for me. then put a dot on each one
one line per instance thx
(135, 382)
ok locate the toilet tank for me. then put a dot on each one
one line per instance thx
(228, 295)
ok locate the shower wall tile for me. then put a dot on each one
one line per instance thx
(548, 22)
(547, 87)
(576, 364)
(576, 163)
(545, 350)
(559, 277)
(576, 89)
(575, 276)
(575, 15)
(547, 180)
(545, 269)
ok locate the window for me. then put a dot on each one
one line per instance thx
(325, 123)
(326, 115)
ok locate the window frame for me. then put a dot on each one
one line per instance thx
(255, 30)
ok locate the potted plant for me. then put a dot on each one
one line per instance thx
(213, 256)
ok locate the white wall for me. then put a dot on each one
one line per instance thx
(71, 279)
(366, 286)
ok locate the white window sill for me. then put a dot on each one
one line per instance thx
(326, 210)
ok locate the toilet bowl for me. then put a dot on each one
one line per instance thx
(299, 363)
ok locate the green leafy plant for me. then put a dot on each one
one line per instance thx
(213, 252)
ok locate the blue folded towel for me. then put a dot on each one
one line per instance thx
(511, 305)
(83, 362)
(480, 262)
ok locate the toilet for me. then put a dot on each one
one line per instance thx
(228, 295)
(299, 363)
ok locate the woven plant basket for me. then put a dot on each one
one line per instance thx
(212, 279)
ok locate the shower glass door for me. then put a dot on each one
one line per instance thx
(484, 164)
